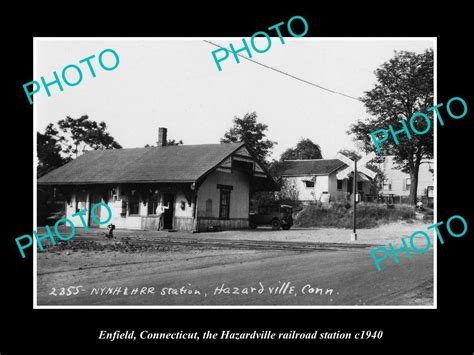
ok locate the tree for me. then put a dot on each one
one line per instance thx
(49, 150)
(82, 134)
(305, 149)
(247, 130)
(174, 142)
(288, 191)
(58, 145)
(404, 86)
(351, 154)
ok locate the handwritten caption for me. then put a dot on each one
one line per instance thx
(281, 288)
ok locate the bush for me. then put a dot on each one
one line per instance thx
(340, 215)
(428, 218)
(428, 215)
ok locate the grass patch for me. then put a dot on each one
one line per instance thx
(428, 215)
(339, 215)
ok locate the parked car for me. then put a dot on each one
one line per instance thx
(51, 206)
(49, 214)
(53, 217)
(276, 215)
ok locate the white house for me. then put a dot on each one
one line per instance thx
(398, 183)
(316, 180)
(203, 185)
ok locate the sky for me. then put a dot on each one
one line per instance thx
(174, 83)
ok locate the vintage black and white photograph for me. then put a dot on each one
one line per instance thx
(186, 172)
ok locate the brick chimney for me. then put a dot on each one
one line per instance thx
(162, 137)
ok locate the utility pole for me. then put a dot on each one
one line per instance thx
(354, 202)
(352, 168)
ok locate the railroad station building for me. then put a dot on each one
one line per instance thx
(202, 185)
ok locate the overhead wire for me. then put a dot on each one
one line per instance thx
(287, 74)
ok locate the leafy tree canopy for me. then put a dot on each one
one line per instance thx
(68, 139)
(404, 86)
(351, 154)
(82, 134)
(49, 150)
(248, 130)
(305, 149)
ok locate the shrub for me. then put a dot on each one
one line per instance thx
(340, 215)
(428, 218)
(428, 215)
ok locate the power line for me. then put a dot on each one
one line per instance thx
(287, 74)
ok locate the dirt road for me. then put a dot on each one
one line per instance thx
(296, 267)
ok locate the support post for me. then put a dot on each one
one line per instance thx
(354, 194)
(195, 217)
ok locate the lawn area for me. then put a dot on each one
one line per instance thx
(340, 215)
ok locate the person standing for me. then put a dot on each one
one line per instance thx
(160, 211)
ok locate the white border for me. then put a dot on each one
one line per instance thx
(435, 269)
(435, 206)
